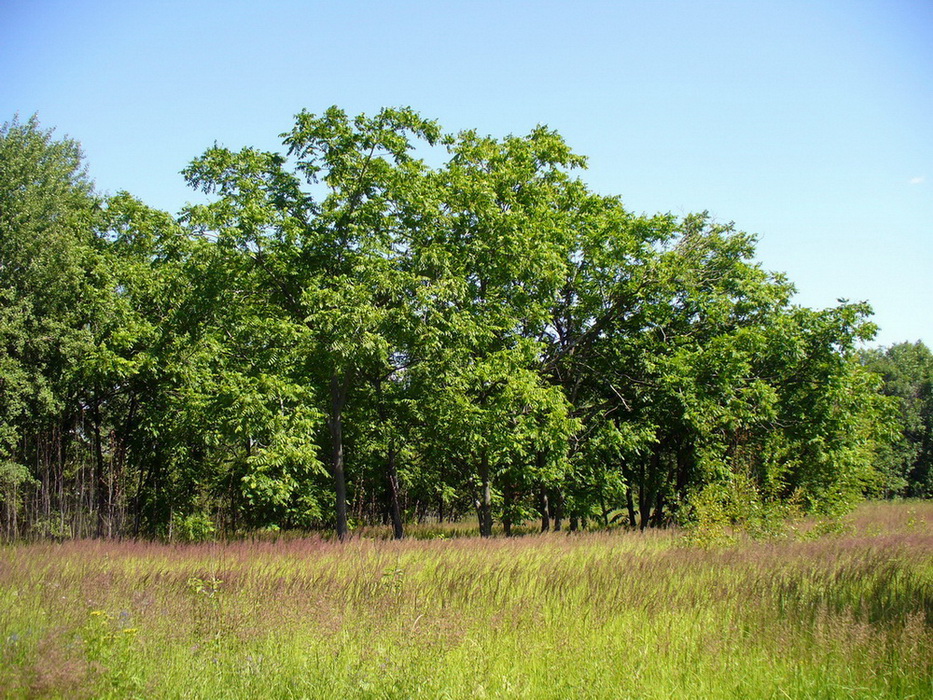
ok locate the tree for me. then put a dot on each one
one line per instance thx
(47, 265)
(504, 243)
(343, 328)
(907, 372)
(327, 265)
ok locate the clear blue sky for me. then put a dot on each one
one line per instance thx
(809, 123)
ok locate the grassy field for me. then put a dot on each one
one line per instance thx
(589, 615)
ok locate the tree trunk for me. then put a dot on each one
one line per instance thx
(658, 518)
(338, 399)
(647, 489)
(485, 500)
(398, 530)
(101, 489)
(684, 469)
(395, 509)
(11, 517)
(508, 498)
(545, 511)
(643, 501)
(557, 508)
(630, 506)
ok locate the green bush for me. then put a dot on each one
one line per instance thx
(196, 527)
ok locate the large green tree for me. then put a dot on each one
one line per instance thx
(49, 275)
(323, 237)
(507, 235)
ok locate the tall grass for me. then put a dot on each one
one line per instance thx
(595, 615)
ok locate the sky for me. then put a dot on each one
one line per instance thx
(808, 123)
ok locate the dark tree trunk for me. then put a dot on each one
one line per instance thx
(142, 483)
(508, 498)
(630, 506)
(658, 518)
(398, 529)
(647, 489)
(643, 500)
(557, 510)
(12, 524)
(395, 509)
(485, 498)
(338, 399)
(545, 511)
(602, 505)
(684, 469)
(543, 506)
(101, 491)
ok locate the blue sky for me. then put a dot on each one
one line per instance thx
(808, 123)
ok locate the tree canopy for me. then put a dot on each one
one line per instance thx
(387, 322)
(906, 464)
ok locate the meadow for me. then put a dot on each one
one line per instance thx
(822, 611)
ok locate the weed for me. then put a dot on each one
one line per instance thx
(109, 649)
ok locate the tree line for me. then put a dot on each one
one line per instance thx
(385, 322)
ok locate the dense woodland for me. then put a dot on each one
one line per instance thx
(386, 322)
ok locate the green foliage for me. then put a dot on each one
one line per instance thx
(344, 333)
(194, 527)
(109, 648)
(46, 285)
(718, 512)
(906, 463)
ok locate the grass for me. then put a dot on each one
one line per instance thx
(589, 615)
